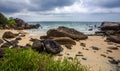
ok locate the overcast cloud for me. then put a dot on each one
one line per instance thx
(56, 9)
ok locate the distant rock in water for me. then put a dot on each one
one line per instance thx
(110, 26)
(21, 24)
(66, 32)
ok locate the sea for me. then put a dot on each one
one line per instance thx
(84, 27)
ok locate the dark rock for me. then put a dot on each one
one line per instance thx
(64, 40)
(114, 38)
(52, 46)
(6, 45)
(59, 54)
(78, 55)
(69, 46)
(68, 54)
(95, 48)
(28, 45)
(83, 44)
(110, 26)
(9, 34)
(2, 52)
(84, 58)
(79, 52)
(110, 57)
(18, 38)
(103, 55)
(70, 58)
(109, 51)
(1, 41)
(44, 37)
(113, 61)
(113, 48)
(38, 45)
(66, 32)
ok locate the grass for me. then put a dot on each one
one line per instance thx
(29, 60)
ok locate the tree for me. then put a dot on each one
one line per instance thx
(3, 19)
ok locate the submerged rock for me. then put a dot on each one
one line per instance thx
(66, 32)
(52, 46)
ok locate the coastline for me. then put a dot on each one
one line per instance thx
(95, 59)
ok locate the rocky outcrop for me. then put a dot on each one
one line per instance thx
(21, 24)
(9, 34)
(66, 32)
(110, 26)
(52, 46)
(64, 40)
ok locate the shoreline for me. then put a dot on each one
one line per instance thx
(95, 59)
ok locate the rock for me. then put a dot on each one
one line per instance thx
(59, 54)
(78, 55)
(52, 46)
(68, 46)
(79, 52)
(37, 45)
(113, 61)
(9, 34)
(18, 38)
(70, 58)
(6, 45)
(66, 32)
(110, 26)
(64, 40)
(1, 41)
(2, 52)
(103, 55)
(83, 44)
(95, 48)
(84, 58)
(110, 57)
(28, 45)
(109, 51)
(114, 38)
(44, 37)
(113, 48)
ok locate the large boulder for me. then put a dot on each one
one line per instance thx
(9, 34)
(110, 26)
(114, 38)
(64, 40)
(37, 45)
(66, 32)
(52, 46)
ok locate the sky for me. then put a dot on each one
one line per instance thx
(62, 10)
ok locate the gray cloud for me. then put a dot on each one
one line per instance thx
(103, 3)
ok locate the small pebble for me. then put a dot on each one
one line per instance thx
(103, 55)
(109, 51)
(83, 44)
(70, 58)
(84, 58)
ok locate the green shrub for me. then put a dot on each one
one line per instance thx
(29, 60)
(11, 22)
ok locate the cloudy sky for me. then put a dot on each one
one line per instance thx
(62, 10)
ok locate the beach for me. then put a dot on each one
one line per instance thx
(94, 58)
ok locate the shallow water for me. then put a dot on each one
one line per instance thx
(80, 26)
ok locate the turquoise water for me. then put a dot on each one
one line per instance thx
(80, 26)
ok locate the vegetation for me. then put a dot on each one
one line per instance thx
(29, 60)
(3, 19)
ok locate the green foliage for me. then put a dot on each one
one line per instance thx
(3, 19)
(29, 60)
(11, 22)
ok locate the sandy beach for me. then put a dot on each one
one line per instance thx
(94, 58)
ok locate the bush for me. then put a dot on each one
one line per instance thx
(29, 60)
(11, 22)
